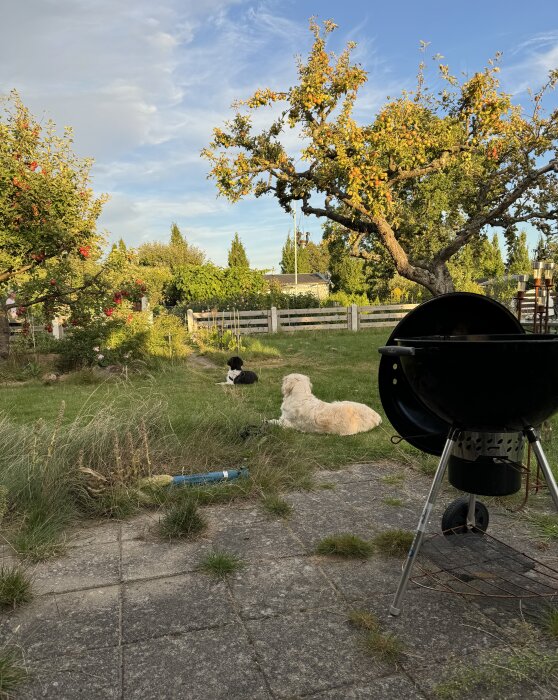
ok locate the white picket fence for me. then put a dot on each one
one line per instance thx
(275, 320)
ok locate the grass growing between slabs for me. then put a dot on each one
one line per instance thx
(382, 645)
(13, 671)
(220, 564)
(15, 587)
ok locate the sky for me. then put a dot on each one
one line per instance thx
(144, 83)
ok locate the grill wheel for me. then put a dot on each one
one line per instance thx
(454, 519)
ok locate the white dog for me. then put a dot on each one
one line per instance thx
(303, 411)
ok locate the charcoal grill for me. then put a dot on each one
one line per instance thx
(460, 378)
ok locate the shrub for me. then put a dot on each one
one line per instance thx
(216, 338)
(344, 299)
(167, 337)
(77, 348)
(127, 336)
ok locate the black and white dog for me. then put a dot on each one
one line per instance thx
(237, 375)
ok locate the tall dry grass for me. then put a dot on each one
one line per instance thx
(53, 471)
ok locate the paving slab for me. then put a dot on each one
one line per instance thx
(143, 559)
(163, 606)
(140, 527)
(309, 652)
(65, 623)
(433, 626)
(267, 539)
(284, 586)
(389, 688)
(322, 514)
(91, 676)
(90, 566)
(216, 664)
(94, 532)
(360, 579)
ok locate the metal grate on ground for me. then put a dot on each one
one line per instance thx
(471, 564)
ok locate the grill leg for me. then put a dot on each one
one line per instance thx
(542, 461)
(423, 522)
(471, 520)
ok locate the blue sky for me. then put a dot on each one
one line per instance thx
(143, 83)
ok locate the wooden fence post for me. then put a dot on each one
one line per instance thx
(352, 320)
(57, 329)
(190, 321)
(272, 320)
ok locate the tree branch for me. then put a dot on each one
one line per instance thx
(58, 296)
(481, 220)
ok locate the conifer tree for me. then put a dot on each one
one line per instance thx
(288, 257)
(518, 261)
(237, 254)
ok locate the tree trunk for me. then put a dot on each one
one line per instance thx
(434, 276)
(4, 335)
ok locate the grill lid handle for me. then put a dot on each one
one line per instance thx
(396, 350)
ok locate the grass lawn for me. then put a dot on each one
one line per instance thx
(207, 419)
(87, 458)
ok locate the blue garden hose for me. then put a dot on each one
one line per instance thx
(225, 475)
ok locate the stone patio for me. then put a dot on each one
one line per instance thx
(125, 615)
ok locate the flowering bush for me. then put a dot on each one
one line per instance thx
(122, 337)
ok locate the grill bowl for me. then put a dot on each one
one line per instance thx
(491, 383)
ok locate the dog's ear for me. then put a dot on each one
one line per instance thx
(289, 383)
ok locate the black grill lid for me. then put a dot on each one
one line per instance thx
(459, 313)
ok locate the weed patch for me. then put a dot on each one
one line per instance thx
(544, 524)
(395, 502)
(12, 671)
(181, 520)
(344, 545)
(499, 672)
(549, 621)
(220, 564)
(277, 506)
(393, 543)
(15, 587)
(383, 645)
(394, 479)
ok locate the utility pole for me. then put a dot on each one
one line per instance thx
(295, 245)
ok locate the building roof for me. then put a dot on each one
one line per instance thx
(302, 278)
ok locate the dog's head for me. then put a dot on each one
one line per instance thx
(296, 384)
(235, 362)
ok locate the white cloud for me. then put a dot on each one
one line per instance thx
(533, 59)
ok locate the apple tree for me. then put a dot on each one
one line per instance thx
(432, 171)
(49, 245)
